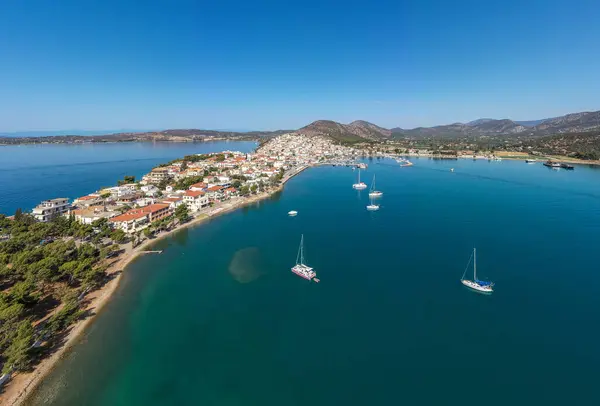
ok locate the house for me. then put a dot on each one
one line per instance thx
(173, 202)
(89, 200)
(48, 209)
(157, 175)
(223, 180)
(90, 214)
(215, 193)
(150, 190)
(230, 192)
(198, 186)
(195, 200)
(137, 219)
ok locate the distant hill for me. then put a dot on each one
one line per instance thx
(175, 135)
(28, 134)
(356, 131)
(570, 123)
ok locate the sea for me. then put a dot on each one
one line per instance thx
(219, 319)
(32, 173)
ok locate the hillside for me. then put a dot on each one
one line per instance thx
(175, 135)
(357, 131)
(570, 123)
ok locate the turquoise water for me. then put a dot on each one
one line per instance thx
(218, 318)
(32, 173)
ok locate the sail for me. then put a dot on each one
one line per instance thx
(300, 256)
(373, 184)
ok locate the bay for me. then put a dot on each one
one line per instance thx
(219, 319)
(32, 173)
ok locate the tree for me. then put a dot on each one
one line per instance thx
(245, 191)
(17, 354)
(126, 180)
(119, 236)
(253, 188)
(182, 213)
(184, 165)
(148, 232)
(236, 184)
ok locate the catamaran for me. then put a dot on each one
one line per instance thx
(359, 185)
(300, 268)
(476, 284)
(373, 192)
(372, 206)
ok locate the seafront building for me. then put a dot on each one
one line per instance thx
(48, 209)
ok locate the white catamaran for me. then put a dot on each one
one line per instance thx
(373, 192)
(359, 185)
(475, 284)
(300, 269)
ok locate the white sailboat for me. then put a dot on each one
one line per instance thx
(373, 192)
(300, 268)
(372, 206)
(292, 213)
(475, 284)
(359, 185)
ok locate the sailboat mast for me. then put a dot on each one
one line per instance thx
(300, 255)
(475, 264)
(302, 250)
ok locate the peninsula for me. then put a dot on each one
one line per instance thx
(60, 264)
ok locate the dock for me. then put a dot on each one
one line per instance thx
(151, 252)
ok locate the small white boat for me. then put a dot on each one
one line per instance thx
(476, 284)
(359, 185)
(451, 169)
(372, 206)
(531, 161)
(373, 192)
(292, 213)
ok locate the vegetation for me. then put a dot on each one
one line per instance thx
(126, 180)
(44, 267)
(182, 213)
(185, 183)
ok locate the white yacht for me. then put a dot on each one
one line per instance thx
(373, 192)
(300, 268)
(476, 284)
(359, 185)
(292, 213)
(531, 161)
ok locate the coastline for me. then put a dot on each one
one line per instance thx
(22, 385)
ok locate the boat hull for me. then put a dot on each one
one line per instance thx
(375, 194)
(359, 186)
(372, 208)
(476, 286)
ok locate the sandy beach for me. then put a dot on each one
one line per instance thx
(22, 385)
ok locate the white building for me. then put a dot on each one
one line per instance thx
(48, 209)
(195, 200)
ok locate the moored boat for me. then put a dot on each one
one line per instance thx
(300, 268)
(551, 164)
(373, 192)
(292, 213)
(359, 185)
(476, 284)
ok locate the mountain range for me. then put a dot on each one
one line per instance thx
(356, 131)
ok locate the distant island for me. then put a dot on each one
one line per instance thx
(573, 136)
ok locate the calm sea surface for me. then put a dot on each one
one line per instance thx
(219, 319)
(32, 173)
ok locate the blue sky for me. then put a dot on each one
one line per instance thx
(100, 65)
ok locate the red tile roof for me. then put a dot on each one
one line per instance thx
(199, 185)
(192, 193)
(215, 188)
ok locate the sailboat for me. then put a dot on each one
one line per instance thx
(476, 284)
(359, 185)
(300, 268)
(373, 192)
(372, 206)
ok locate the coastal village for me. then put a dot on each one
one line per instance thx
(196, 182)
(71, 253)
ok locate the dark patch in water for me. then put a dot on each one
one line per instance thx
(247, 265)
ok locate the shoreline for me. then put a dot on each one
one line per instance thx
(22, 385)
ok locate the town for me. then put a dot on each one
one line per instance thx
(195, 185)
